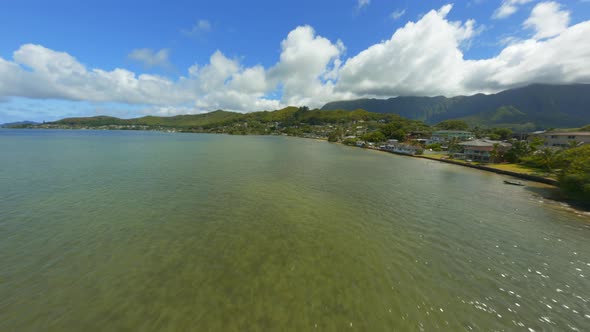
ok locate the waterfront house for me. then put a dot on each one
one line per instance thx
(444, 136)
(401, 148)
(407, 149)
(482, 150)
(392, 142)
(561, 139)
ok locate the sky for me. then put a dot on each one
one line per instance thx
(133, 58)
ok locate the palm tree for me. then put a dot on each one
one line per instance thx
(573, 144)
(548, 157)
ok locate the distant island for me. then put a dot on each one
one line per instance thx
(19, 123)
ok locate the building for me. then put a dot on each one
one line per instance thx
(402, 148)
(443, 136)
(482, 149)
(407, 149)
(561, 139)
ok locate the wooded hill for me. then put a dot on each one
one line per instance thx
(537, 106)
(251, 123)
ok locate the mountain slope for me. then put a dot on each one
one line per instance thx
(19, 123)
(538, 106)
(289, 116)
(179, 121)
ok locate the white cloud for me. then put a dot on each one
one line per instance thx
(418, 59)
(201, 27)
(425, 58)
(39, 73)
(508, 7)
(421, 58)
(396, 15)
(304, 66)
(548, 20)
(151, 58)
(363, 3)
(562, 59)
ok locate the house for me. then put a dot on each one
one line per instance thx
(392, 142)
(482, 149)
(407, 149)
(401, 148)
(561, 139)
(443, 136)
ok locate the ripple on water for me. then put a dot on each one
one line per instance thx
(236, 233)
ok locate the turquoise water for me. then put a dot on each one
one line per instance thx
(115, 230)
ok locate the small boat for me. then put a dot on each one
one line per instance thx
(513, 182)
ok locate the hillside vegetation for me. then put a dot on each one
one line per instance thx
(290, 121)
(533, 107)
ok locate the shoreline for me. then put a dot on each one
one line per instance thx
(528, 177)
(555, 197)
(522, 176)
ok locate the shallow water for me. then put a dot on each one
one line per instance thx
(103, 230)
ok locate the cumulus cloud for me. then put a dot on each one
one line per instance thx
(508, 7)
(151, 58)
(425, 58)
(534, 61)
(39, 73)
(418, 59)
(396, 15)
(304, 67)
(547, 20)
(421, 58)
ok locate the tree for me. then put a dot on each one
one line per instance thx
(454, 145)
(390, 129)
(547, 157)
(497, 154)
(502, 133)
(535, 143)
(335, 135)
(452, 125)
(574, 178)
(375, 136)
(518, 151)
(573, 144)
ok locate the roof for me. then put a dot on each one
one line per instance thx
(452, 131)
(484, 143)
(567, 133)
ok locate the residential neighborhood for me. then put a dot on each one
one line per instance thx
(561, 139)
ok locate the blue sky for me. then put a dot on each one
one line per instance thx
(131, 58)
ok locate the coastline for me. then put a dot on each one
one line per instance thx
(558, 200)
(523, 176)
(569, 204)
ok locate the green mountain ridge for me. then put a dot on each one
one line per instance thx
(18, 123)
(536, 106)
(289, 120)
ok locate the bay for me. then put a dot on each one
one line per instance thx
(118, 230)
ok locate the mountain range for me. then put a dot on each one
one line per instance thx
(538, 106)
(19, 123)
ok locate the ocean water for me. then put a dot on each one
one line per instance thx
(145, 231)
